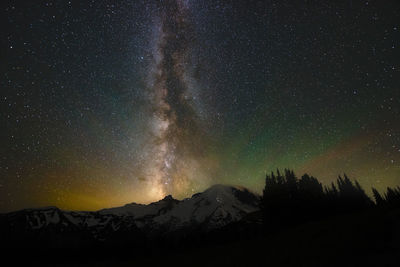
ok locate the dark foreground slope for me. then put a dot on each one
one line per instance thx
(370, 238)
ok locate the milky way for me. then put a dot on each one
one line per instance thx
(176, 141)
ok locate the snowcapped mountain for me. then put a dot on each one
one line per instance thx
(212, 209)
(216, 207)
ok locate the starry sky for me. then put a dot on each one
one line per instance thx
(103, 103)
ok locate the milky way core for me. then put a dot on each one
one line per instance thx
(176, 140)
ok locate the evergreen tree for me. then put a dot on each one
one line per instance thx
(378, 198)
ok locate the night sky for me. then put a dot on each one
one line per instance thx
(103, 103)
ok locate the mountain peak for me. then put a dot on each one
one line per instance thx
(168, 198)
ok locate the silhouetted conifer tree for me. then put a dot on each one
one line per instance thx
(378, 198)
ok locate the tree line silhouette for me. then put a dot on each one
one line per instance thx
(288, 200)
